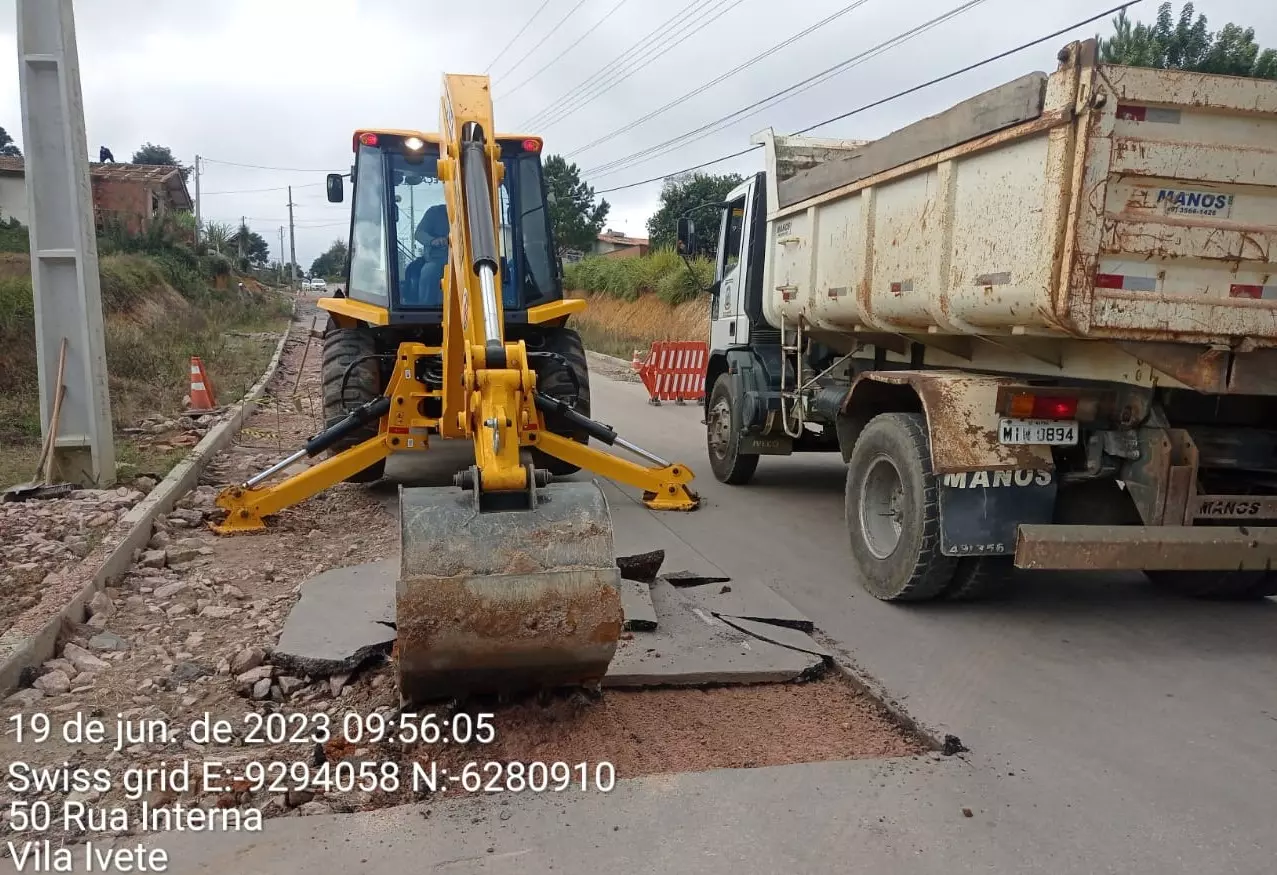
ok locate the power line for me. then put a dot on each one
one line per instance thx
(262, 167)
(989, 60)
(256, 190)
(569, 48)
(526, 25)
(751, 62)
(624, 58)
(549, 34)
(724, 7)
(678, 172)
(644, 155)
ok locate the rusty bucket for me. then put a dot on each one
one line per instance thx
(505, 601)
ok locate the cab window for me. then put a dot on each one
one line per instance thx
(732, 234)
(369, 273)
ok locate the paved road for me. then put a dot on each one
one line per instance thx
(1111, 729)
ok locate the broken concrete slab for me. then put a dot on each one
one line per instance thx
(642, 567)
(691, 578)
(782, 635)
(749, 600)
(691, 646)
(344, 618)
(636, 603)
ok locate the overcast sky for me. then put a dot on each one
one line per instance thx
(282, 84)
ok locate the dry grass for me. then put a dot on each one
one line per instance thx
(152, 331)
(615, 326)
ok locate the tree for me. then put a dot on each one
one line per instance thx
(218, 234)
(160, 155)
(576, 218)
(8, 148)
(1186, 44)
(333, 262)
(680, 194)
(256, 249)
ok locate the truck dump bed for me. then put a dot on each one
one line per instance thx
(1100, 202)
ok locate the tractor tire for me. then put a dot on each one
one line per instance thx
(555, 381)
(341, 347)
(723, 436)
(893, 511)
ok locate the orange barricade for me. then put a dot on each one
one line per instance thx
(675, 370)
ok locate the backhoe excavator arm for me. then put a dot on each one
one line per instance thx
(493, 376)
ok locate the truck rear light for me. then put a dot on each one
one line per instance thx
(368, 138)
(1253, 292)
(1029, 406)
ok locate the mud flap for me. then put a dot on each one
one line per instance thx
(981, 511)
(505, 601)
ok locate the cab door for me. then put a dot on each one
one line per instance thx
(729, 322)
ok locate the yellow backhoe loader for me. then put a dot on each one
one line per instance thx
(452, 325)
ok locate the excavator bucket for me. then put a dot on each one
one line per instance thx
(505, 601)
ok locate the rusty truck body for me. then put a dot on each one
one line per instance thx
(1040, 327)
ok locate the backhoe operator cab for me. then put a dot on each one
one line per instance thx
(399, 255)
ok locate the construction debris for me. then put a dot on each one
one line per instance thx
(642, 567)
(344, 618)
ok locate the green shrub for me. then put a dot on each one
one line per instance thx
(14, 236)
(662, 273)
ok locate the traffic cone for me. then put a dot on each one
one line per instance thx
(635, 362)
(201, 388)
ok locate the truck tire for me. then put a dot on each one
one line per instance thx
(555, 381)
(893, 511)
(341, 347)
(1220, 585)
(723, 434)
(980, 577)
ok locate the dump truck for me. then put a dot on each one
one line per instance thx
(452, 325)
(1040, 327)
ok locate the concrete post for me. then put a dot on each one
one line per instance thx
(64, 249)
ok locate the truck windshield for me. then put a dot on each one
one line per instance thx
(420, 219)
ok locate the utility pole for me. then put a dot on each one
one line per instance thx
(243, 226)
(198, 226)
(281, 255)
(292, 244)
(64, 247)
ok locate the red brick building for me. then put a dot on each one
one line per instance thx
(614, 244)
(133, 194)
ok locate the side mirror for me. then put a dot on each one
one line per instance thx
(686, 237)
(336, 189)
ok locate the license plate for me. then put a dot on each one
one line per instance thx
(1038, 431)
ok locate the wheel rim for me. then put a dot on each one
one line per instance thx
(720, 429)
(882, 495)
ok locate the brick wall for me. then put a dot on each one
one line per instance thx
(128, 202)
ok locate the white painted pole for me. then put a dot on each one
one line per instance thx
(64, 251)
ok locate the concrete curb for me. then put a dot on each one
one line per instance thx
(114, 556)
(609, 359)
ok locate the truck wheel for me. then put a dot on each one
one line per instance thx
(723, 436)
(893, 511)
(554, 380)
(1221, 585)
(341, 347)
(980, 577)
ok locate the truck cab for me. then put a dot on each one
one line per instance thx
(747, 371)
